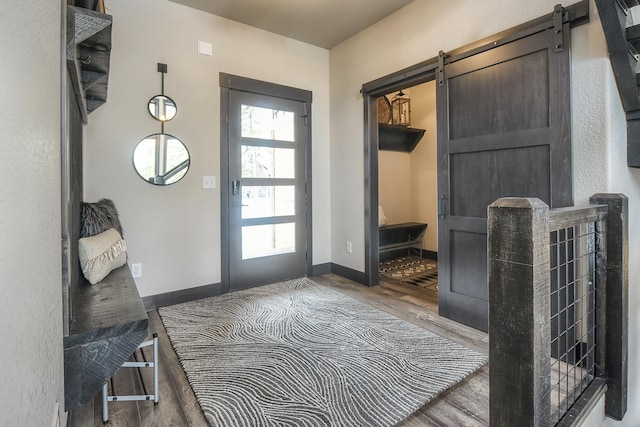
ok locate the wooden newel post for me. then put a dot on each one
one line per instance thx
(519, 313)
(617, 302)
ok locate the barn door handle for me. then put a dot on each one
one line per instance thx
(441, 206)
(235, 187)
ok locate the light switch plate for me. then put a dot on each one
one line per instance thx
(208, 182)
(205, 48)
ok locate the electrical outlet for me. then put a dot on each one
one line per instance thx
(349, 248)
(136, 270)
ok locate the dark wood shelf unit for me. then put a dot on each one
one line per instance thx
(107, 321)
(88, 57)
(398, 138)
(623, 42)
(406, 236)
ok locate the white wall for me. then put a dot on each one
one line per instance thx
(408, 181)
(424, 163)
(174, 231)
(31, 355)
(427, 26)
(394, 191)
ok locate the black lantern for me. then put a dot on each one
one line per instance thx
(401, 109)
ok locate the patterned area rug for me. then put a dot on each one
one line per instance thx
(412, 270)
(297, 353)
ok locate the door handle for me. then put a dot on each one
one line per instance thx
(235, 187)
(441, 206)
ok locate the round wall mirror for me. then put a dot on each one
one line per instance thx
(161, 159)
(162, 108)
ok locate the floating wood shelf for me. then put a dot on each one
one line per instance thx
(398, 138)
(88, 56)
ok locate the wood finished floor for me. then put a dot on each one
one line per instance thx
(466, 404)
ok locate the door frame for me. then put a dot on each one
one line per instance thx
(232, 82)
(575, 14)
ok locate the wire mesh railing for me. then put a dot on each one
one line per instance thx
(557, 310)
(572, 252)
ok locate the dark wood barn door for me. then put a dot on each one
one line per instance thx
(503, 130)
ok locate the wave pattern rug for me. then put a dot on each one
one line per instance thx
(299, 354)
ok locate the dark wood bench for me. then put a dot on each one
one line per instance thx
(110, 322)
(407, 235)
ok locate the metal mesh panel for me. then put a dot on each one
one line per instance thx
(573, 320)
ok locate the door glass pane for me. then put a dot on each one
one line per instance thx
(267, 162)
(270, 239)
(267, 201)
(267, 123)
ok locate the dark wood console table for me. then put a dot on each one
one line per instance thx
(110, 322)
(407, 235)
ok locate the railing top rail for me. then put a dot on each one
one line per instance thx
(568, 217)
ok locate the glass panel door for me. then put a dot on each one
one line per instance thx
(267, 217)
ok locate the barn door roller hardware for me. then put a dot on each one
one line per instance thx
(558, 12)
(440, 71)
(442, 206)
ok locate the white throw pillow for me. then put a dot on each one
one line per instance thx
(100, 254)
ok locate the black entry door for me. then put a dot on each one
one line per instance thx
(267, 172)
(265, 182)
(503, 130)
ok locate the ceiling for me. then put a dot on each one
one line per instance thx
(323, 23)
